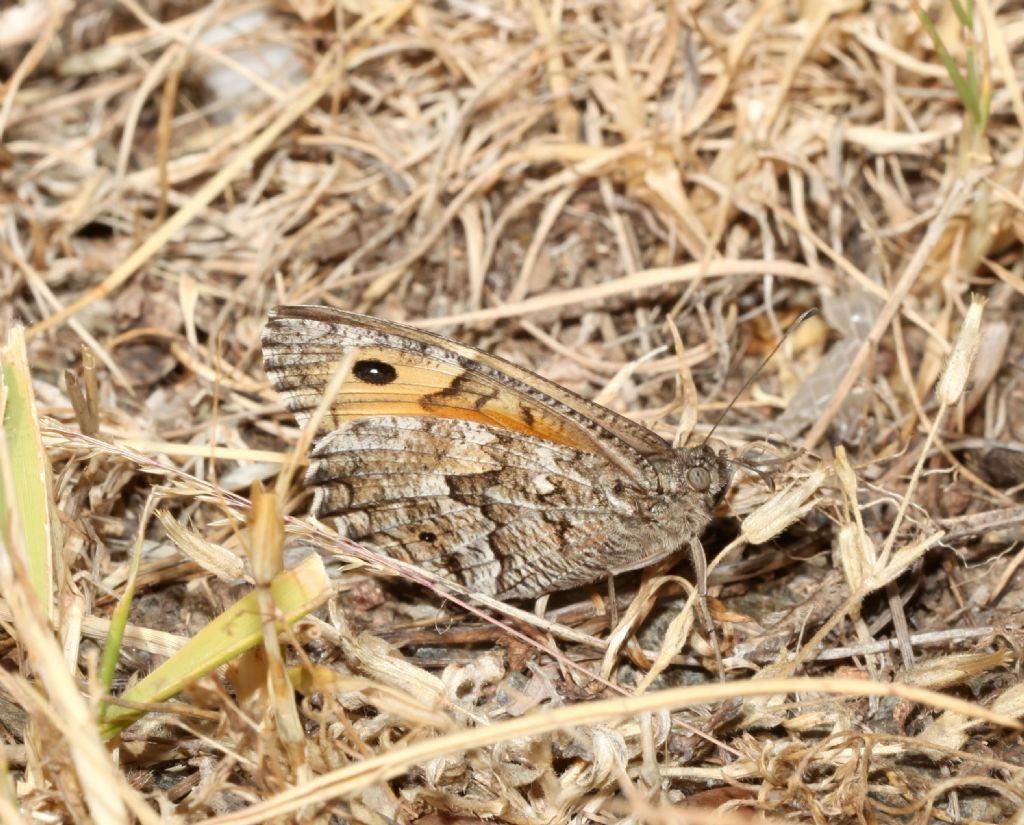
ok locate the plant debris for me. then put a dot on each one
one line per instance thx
(633, 200)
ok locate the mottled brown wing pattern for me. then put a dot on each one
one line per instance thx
(503, 513)
(476, 469)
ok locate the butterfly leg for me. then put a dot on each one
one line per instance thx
(612, 610)
(700, 573)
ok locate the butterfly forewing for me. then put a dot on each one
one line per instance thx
(303, 345)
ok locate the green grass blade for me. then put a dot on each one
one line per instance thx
(296, 592)
(25, 507)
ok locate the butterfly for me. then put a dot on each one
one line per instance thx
(476, 469)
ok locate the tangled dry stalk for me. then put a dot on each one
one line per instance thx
(634, 200)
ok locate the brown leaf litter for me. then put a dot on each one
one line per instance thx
(634, 200)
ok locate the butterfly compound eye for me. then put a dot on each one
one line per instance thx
(698, 478)
(374, 372)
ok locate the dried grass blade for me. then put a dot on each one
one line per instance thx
(394, 762)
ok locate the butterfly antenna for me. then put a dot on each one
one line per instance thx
(808, 313)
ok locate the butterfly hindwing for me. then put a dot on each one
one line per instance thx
(463, 499)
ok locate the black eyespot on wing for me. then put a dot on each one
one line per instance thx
(428, 537)
(374, 372)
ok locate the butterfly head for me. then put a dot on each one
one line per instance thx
(705, 473)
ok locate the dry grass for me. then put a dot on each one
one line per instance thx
(558, 183)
